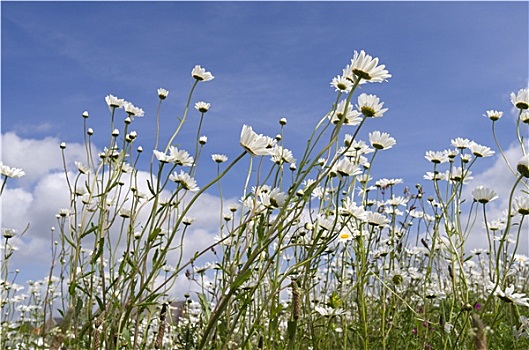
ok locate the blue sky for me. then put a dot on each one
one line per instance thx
(450, 61)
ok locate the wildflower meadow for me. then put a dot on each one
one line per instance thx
(315, 254)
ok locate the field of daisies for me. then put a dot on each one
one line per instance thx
(315, 254)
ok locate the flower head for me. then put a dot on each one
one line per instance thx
(510, 297)
(364, 68)
(436, 157)
(348, 115)
(282, 155)
(381, 140)
(521, 99)
(7, 171)
(521, 205)
(523, 166)
(114, 102)
(162, 93)
(185, 180)
(180, 157)
(484, 195)
(479, 150)
(132, 110)
(202, 106)
(273, 199)
(370, 106)
(341, 83)
(219, 158)
(376, 219)
(461, 143)
(346, 168)
(255, 144)
(494, 115)
(200, 74)
(524, 116)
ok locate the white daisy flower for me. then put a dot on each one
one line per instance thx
(509, 296)
(348, 115)
(219, 158)
(200, 74)
(493, 115)
(381, 141)
(114, 102)
(484, 195)
(521, 205)
(370, 106)
(479, 150)
(185, 180)
(341, 83)
(255, 144)
(7, 171)
(437, 157)
(366, 68)
(461, 143)
(202, 106)
(132, 110)
(521, 99)
(162, 93)
(523, 166)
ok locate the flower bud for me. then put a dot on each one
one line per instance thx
(62, 145)
(85, 114)
(90, 131)
(283, 121)
(523, 166)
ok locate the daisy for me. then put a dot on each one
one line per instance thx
(370, 106)
(219, 158)
(350, 208)
(524, 117)
(346, 235)
(384, 183)
(161, 156)
(346, 168)
(521, 99)
(461, 143)
(493, 115)
(7, 171)
(114, 102)
(365, 68)
(341, 84)
(521, 205)
(202, 106)
(510, 297)
(458, 174)
(436, 157)
(359, 147)
(8, 232)
(132, 110)
(185, 180)
(282, 155)
(180, 157)
(479, 150)
(82, 168)
(162, 93)
(523, 166)
(348, 115)
(273, 199)
(200, 74)
(255, 144)
(381, 140)
(376, 219)
(484, 195)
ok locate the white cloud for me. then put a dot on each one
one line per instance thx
(37, 157)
